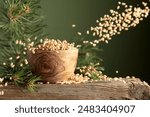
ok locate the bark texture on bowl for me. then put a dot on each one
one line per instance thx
(53, 66)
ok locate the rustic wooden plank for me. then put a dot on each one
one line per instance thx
(132, 89)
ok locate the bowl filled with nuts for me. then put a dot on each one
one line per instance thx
(53, 60)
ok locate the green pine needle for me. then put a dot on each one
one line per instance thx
(19, 21)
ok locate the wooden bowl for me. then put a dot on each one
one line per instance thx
(53, 66)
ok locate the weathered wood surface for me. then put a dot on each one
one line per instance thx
(132, 89)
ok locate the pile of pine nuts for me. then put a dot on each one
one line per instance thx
(52, 45)
(75, 79)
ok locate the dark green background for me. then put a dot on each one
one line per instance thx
(128, 53)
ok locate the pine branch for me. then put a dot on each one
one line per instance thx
(20, 25)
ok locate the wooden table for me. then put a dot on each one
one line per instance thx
(103, 90)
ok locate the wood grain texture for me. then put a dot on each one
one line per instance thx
(132, 89)
(53, 66)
